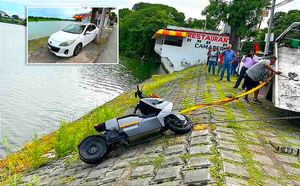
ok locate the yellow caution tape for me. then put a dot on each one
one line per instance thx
(200, 126)
(223, 101)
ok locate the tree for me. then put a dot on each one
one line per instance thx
(242, 15)
(172, 12)
(195, 23)
(201, 24)
(283, 20)
(137, 26)
(124, 12)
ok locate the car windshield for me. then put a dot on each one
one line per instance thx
(74, 28)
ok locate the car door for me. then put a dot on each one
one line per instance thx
(88, 35)
(94, 31)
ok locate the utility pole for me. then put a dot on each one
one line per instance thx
(270, 28)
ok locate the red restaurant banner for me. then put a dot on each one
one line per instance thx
(208, 37)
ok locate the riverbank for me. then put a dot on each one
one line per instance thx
(65, 140)
(232, 152)
(37, 19)
(13, 21)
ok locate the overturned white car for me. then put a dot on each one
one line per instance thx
(69, 41)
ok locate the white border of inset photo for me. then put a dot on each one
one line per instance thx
(79, 6)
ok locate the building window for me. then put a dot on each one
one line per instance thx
(173, 41)
(159, 41)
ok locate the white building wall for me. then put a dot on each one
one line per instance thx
(191, 53)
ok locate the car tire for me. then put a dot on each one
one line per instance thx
(92, 149)
(172, 124)
(95, 37)
(77, 49)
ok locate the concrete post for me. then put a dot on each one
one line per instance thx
(101, 26)
(269, 28)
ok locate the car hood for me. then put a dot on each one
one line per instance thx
(62, 36)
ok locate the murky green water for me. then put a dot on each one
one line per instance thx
(141, 70)
(45, 28)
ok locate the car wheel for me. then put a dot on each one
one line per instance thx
(77, 49)
(92, 149)
(95, 38)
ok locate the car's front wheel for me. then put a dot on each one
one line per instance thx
(77, 49)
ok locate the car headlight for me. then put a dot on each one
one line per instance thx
(67, 43)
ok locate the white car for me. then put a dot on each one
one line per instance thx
(69, 41)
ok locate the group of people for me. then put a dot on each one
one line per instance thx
(252, 70)
(227, 60)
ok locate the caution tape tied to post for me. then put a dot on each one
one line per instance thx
(223, 101)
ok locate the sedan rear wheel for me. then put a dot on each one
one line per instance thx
(77, 49)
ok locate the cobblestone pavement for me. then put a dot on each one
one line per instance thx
(221, 153)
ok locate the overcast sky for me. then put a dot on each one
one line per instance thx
(65, 13)
(191, 8)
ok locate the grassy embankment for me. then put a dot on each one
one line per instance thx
(65, 140)
(35, 44)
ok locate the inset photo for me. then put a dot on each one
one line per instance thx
(81, 35)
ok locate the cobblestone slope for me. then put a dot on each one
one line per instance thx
(235, 152)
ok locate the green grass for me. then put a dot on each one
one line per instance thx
(67, 138)
(296, 165)
(217, 167)
(35, 44)
(34, 19)
(35, 153)
(187, 103)
(158, 161)
(67, 180)
(72, 159)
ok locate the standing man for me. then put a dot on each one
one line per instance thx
(213, 60)
(228, 57)
(257, 73)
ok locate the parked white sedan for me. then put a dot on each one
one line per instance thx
(69, 41)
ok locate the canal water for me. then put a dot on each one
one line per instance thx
(45, 28)
(35, 98)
